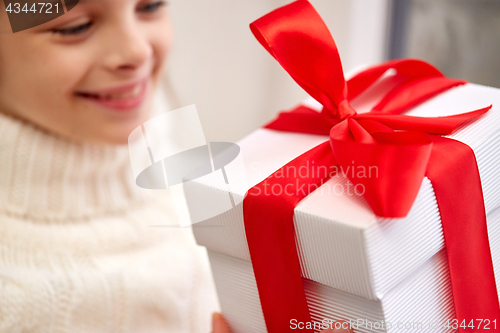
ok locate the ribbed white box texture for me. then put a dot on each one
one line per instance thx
(345, 250)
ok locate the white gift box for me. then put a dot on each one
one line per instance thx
(355, 264)
(422, 302)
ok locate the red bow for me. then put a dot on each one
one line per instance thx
(403, 148)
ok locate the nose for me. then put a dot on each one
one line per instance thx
(128, 49)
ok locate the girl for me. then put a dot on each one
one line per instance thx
(77, 250)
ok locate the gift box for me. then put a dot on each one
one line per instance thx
(421, 302)
(359, 261)
(355, 265)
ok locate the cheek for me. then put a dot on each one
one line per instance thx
(27, 79)
(51, 89)
(161, 41)
(65, 69)
(47, 72)
(38, 83)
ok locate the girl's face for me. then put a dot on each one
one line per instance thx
(90, 74)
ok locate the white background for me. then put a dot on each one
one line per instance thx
(217, 64)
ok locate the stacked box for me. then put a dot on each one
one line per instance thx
(355, 266)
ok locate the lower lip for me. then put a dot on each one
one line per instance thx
(123, 105)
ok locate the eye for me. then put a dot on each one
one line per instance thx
(76, 30)
(152, 7)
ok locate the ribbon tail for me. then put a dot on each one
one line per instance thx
(454, 174)
(268, 214)
(413, 92)
(431, 125)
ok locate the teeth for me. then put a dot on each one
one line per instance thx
(134, 93)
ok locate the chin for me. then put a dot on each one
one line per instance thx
(116, 136)
(107, 133)
(117, 131)
(115, 140)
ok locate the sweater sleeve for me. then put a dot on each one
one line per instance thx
(13, 306)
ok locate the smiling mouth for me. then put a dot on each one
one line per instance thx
(115, 96)
(125, 98)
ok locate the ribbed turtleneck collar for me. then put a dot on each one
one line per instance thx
(44, 177)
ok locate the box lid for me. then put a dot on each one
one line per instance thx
(341, 243)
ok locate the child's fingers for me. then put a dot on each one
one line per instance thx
(219, 324)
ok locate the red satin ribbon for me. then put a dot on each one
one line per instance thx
(403, 148)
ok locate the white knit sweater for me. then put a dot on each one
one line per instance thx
(78, 252)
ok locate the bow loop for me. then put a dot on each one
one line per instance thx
(407, 69)
(312, 60)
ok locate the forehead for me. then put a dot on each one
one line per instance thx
(4, 21)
